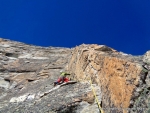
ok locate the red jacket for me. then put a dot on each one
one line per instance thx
(62, 79)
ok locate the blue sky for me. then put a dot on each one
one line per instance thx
(121, 24)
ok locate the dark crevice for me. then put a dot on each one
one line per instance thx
(147, 92)
(7, 79)
(131, 106)
(20, 71)
(144, 74)
(148, 88)
(31, 80)
(2, 70)
(144, 77)
(55, 67)
(11, 55)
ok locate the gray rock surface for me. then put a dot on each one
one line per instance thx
(27, 73)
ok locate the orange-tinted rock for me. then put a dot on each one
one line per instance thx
(28, 72)
(116, 74)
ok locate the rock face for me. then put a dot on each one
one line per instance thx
(121, 77)
(27, 73)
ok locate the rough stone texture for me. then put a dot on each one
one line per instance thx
(119, 75)
(146, 57)
(27, 74)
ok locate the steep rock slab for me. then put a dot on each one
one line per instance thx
(27, 74)
(65, 99)
(25, 70)
(117, 74)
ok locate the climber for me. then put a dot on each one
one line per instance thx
(62, 78)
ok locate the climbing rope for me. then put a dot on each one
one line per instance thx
(99, 106)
